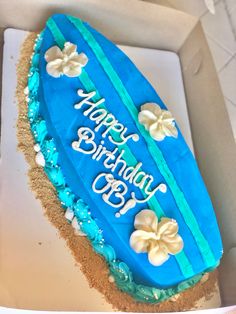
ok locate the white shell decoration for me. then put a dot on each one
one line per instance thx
(76, 226)
(69, 214)
(39, 158)
(36, 148)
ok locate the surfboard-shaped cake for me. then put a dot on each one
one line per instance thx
(120, 168)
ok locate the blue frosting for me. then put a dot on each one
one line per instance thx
(74, 176)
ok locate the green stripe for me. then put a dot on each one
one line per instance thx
(60, 39)
(153, 149)
(184, 264)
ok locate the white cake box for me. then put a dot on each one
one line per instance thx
(51, 281)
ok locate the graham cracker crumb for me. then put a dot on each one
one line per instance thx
(91, 264)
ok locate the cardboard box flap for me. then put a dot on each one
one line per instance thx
(214, 145)
(142, 26)
(212, 136)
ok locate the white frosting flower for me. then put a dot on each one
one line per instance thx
(157, 239)
(66, 61)
(39, 158)
(159, 122)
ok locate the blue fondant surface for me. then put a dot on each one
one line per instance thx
(57, 99)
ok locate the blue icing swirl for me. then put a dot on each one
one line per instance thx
(39, 130)
(33, 82)
(118, 269)
(35, 60)
(66, 197)
(90, 228)
(147, 294)
(33, 110)
(106, 251)
(81, 210)
(121, 273)
(49, 152)
(56, 177)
